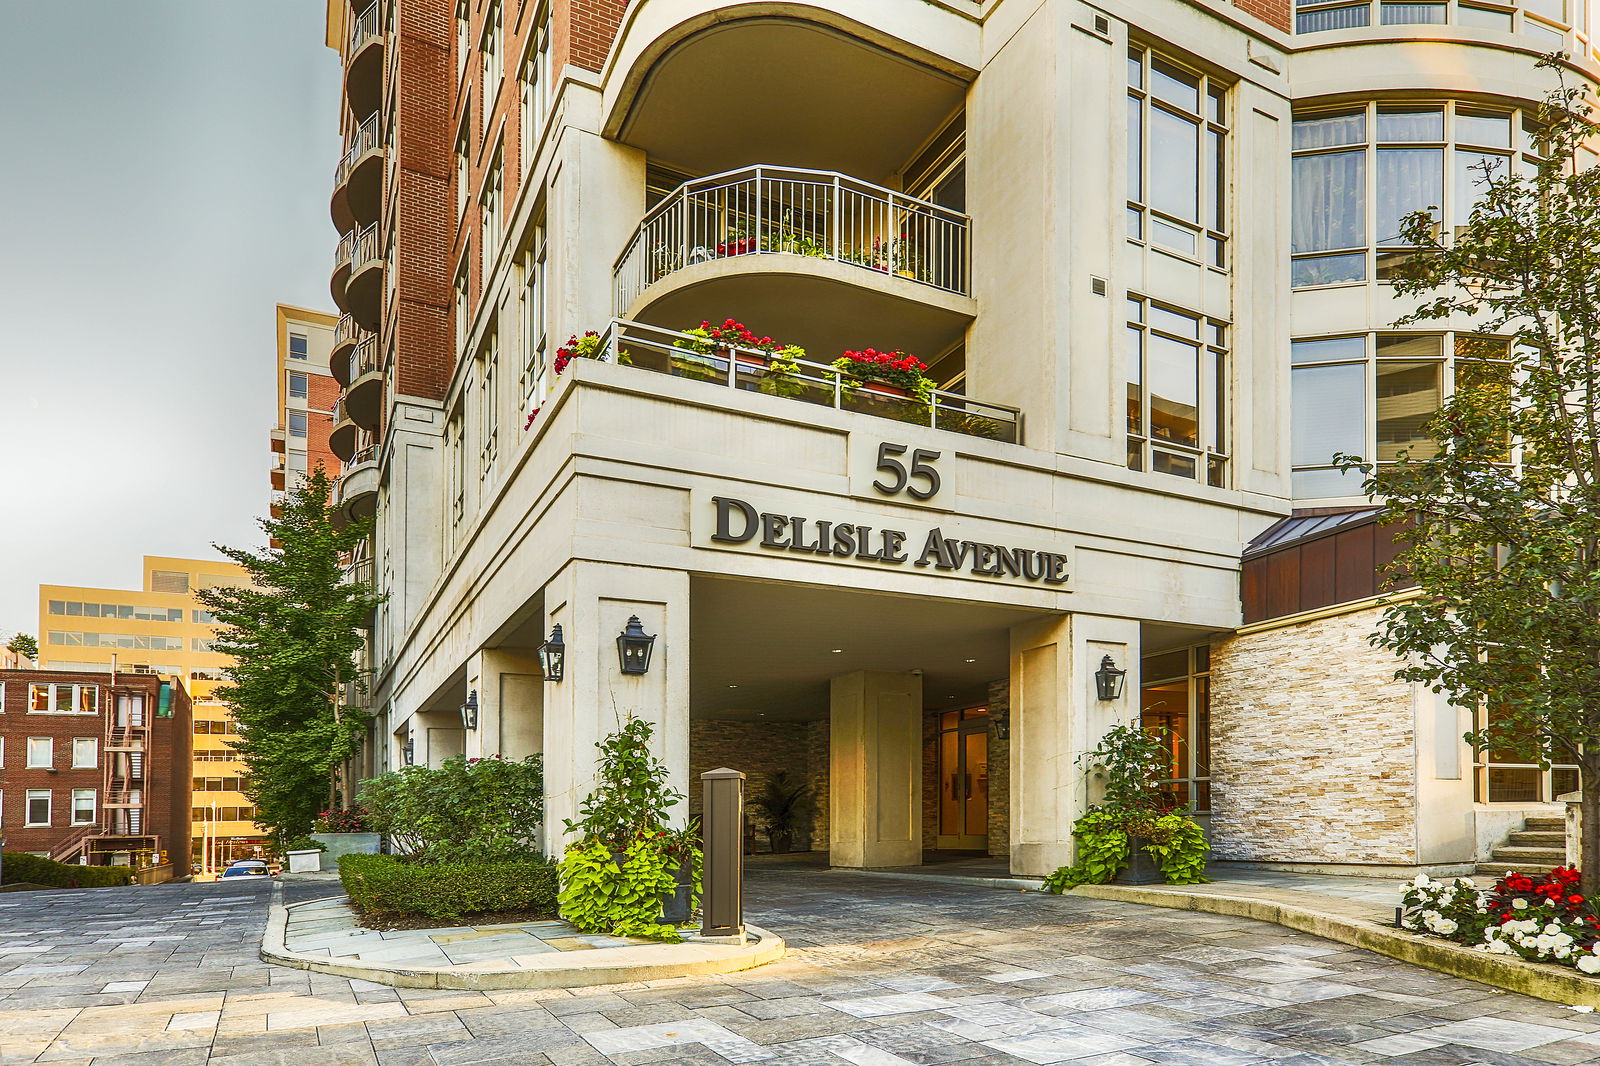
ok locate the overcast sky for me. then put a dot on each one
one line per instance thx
(164, 181)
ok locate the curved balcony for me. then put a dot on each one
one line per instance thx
(357, 495)
(706, 85)
(363, 397)
(682, 355)
(817, 258)
(364, 289)
(358, 179)
(340, 281)
(344, 438)
(363, 57)
(345, 336)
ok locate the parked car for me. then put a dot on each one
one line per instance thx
(247, 868)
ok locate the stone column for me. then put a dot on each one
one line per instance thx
(875, 788)
(592, 603)
(510, 703)
(1056, 717)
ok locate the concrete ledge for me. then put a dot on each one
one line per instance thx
(1350, 922)
(558, 969)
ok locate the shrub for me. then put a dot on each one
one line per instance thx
(388, 885)
(34, 869)
(467, 810)
(303, 844)
(1541, 919)
(346, 820)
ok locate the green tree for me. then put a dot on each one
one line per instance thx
(1499, 516)
(294, 634)
(24, 645)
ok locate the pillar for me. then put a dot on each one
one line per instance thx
(592, 603)
(1056, 716)
(510, 692)
(875, 784)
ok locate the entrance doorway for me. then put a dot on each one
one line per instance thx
(964, 780)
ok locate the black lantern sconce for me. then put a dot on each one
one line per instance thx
(553, 656)
(469, 711)
(1108, 680)
(408, 751)
(633, 648)
(1000, 722)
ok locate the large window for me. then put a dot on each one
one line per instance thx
(64, 699)
(488, 404)
(298, 387)
(73, 608)
(41, 753)
(1507, 775)
(85, 753)
(1177, 158)
(1175, 700)
(491, 225)
(1359, 171)
(38, 812)
(83, 806)
(1372, 396)
(1546, 21)
(1177, 373)
(493, 61)
(116, 640)
(298, 346)
(534, 88)
(533, 320)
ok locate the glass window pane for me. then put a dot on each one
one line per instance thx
(1174, 322)
(1474, 172)
(1135, 68)
(1508, 785)
(1172, 463)
(1134, 365)
(1409, 180)
(1135, 149)
(1174, 372)
(1175, 237)
(1332, 18)
(1174, 164)
(1329, 269)
(1328, 413)
(1217, 105)
(1328, 349)
(1410, 346)
(1413, 14)
(1408, 396)
(1330, 129)
(1325, 483)
(1490, 128)
(1330, 201)
(1410, 124)
(1217, 375)
(1172, 83)
(1216, 180)
(1554, 10)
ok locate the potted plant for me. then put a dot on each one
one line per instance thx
(738, 242)
(781, 377)
(891, 373)
(344, 831)
(785, 807)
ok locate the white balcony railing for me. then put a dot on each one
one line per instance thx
(682, 355)
(364, 27)
(364, 248)
(366, 138)
(363, 357)
(764, 209)
(345, 331)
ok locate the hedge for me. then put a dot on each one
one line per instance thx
(35, 869)
(388, 884)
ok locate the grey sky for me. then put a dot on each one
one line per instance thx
(165, 168)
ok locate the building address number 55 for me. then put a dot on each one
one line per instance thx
(913, 473)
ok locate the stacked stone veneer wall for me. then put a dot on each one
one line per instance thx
(999, 700)
(761, 749)
(1313, 747)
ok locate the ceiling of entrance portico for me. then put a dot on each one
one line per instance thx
(784, 91)
(776, 643)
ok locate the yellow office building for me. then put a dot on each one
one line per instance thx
(162, 628)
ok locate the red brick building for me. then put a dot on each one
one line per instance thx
(94, 767)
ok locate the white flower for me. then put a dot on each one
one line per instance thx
(1520, 904)
(1589, 963)
(1552, 929)
(1421, 881)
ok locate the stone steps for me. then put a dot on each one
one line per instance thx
(1537, 848)
(1532, 869)
(1538, 839)
(1545, 825)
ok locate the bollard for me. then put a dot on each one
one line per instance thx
(722, 818)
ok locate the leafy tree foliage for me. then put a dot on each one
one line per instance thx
(1499, 517)
(294, 634)
(25, 645)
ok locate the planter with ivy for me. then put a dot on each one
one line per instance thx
(629, 872)
(1136, 834)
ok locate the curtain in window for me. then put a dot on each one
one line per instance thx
(1409, 179)
(1332, 18)
(1330, 201)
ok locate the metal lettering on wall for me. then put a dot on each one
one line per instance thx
(738, 522)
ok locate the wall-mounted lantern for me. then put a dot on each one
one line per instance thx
(553, 656)
(1000, 722)
(408, 751)
(633, 647)
(1108, 680)
(469, 711)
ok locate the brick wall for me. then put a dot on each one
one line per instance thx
(166, 782)
(760, 749)
(322, 392)
(584, 30)
(1312, 747)
(1272, 12)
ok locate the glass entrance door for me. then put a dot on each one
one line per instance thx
(964, 780)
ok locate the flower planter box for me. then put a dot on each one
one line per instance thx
(1141, 868)
(305, 862)
(345, 844)
(884, 388)
(742, 247)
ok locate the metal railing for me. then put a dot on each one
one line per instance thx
(363, 358)
(365, 454)
(765, 209)
(364, 246)
(346, 330)
(345, 250)
(367, 137)
(366, 25)
(683, 355)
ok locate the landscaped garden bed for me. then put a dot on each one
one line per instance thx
(1540, 919)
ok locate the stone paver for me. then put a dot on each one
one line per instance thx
(880, 973)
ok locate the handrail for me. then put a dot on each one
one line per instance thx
(363, 358)
(367, 24)
(345, 249)
(794, 210)
(346, 330)
(368, 454)
(366, 138)
(364, 247)
(684, 355)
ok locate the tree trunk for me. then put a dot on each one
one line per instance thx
(1589, 857)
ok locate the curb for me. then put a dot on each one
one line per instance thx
(687, 960)
(1558, 984)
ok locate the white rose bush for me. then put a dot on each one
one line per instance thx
(1541, 919)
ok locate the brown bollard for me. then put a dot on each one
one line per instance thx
(722, 818)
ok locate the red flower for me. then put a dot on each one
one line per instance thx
(1574, 900)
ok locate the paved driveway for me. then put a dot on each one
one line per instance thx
(880, 973)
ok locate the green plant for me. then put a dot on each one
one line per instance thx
(1105, 838)
(631, 797)
(600, 894)
(783, 806)
(388, 884)
(1128, 762)
(303, 844)
(780, 378)
(1102, 851)
(25, 645)
(466, 810)
(23, 868)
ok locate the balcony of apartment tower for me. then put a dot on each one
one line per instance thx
(358, 177)
(364, 58)
(827, 212)
(356, 495)
(359, 410)
(357, 282)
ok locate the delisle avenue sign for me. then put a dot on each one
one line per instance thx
(739, 523)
